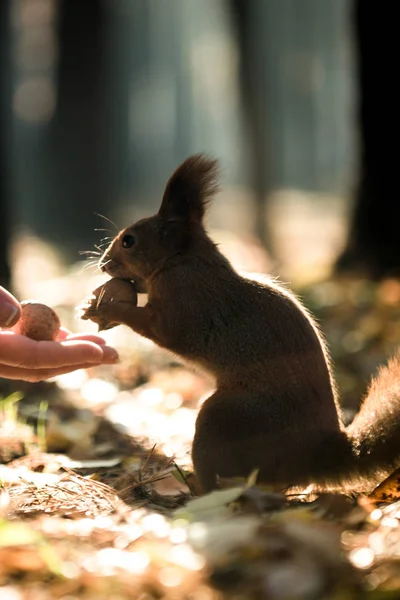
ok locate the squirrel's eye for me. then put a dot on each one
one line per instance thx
(128, 241)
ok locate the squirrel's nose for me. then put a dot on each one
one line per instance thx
(103, 262)
(107, 264)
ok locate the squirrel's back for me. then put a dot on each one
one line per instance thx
(239, 327)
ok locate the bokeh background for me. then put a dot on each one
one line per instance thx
(101, 100)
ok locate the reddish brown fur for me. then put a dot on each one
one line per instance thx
(274, 407)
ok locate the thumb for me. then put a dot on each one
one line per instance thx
(10, 309)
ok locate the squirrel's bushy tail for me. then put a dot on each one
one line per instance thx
(375, 432)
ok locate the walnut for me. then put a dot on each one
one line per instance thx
(99, 307)
(37, 321)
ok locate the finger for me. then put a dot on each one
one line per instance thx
(10, 309)
(65, 334)
(89, 337)
(110, 355)
(20, 351)
(62, 334)
(35, 375)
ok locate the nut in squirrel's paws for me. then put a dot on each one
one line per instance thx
(100, 307)
(38, 321)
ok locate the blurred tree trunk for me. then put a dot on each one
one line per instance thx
(373, 245)
(78, 131)
(5, 122)
(252, 82)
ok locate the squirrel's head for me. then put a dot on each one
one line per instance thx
(140, 250)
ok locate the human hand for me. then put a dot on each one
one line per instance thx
(29, 360)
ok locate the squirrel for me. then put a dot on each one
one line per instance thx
(275, 407)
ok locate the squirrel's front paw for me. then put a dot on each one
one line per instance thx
(92, 309)
(102, 306)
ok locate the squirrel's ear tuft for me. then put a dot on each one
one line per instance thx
(189, 189)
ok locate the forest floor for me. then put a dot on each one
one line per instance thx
(98, 500)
